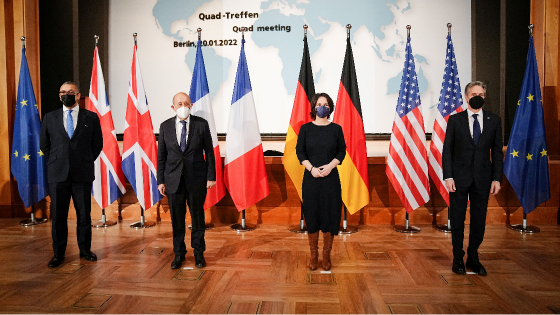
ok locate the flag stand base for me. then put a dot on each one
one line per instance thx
(527, 229)
(298, 229)
(107, 223)
(142, 224)
(33, 221)
(240, 228)
(103, 222)
(207, 226)
(243, 227)
(301, 228)
(524, 228)
(345, 229)
(443, 228)
(406, 228)
(348, 230)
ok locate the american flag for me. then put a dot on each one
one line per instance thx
(450, 102)
(407, 167)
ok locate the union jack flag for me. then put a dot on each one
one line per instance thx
(450, 102)
(108, 185)
(407, 167)
(139, 159)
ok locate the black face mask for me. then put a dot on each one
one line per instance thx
(476, 102)
(68, 100)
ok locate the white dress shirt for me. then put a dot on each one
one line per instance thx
(471, 120)
(179, 128)
(74, 114)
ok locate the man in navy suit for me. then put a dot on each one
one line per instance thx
(472, 168)
(184, 175)
(71, 140)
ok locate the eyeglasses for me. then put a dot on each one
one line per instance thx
(68, 93)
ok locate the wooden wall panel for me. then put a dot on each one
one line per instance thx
(282, 206)
(545, 17)
(17, 18)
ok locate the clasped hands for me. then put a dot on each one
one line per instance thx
(322, 171)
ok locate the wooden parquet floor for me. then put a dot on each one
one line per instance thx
(264, 271)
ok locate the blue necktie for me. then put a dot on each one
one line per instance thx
(70, 124)
(184, 136)
(475, 129)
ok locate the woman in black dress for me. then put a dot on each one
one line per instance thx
(320, 148)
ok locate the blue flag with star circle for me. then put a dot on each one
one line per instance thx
(29, 165)
(526, 163)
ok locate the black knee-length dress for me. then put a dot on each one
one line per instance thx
(322, 196)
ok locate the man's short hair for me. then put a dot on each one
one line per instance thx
(473, 83)
(72, 83)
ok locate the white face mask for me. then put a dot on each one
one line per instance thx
(183, 112)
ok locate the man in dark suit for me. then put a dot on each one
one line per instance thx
(71, 140)
(472, 168)
(184, 175)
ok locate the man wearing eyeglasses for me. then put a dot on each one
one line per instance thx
(71, 140)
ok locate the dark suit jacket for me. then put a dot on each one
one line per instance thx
(464, 161)
(71, 156)
(171, 159)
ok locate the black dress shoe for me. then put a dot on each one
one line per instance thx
(458, 266)
(177, 262)
(90, 256)
(476, 267)
(199, 261)
(55, 262)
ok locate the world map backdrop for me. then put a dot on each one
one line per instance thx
(167, 33)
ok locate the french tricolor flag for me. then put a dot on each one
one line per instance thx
(202, 107)
(244, 170)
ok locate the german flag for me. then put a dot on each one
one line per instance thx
(348, 114)
(300, 115)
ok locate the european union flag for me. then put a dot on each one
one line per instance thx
(29, 165)
(526, 164)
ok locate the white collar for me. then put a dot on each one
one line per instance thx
(178, 121)
(470, 112)
(76, 109)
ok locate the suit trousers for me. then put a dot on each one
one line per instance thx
(478, 198)
(178, 201)
(60, 193)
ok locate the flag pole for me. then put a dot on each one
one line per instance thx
(442, 227)
(406, 228)
(345, 229)
(243, 227)
(142, 223)
(301, 228)
(32, 220)
(103, 222)
(207, 226)
(524, 228)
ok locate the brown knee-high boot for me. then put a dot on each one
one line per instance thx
(314, 247)
(327, 247)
